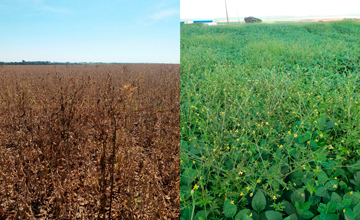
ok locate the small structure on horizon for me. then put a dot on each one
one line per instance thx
(252, 20)
(204, 22)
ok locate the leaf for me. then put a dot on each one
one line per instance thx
(229, 208)
(335, 197)
(322, 177)
(185, 191)
(184, 145)
(259, 202)
(346, 202)
(332, 206)
(329, 125)
(188, 176)
(314, 199)
(316, 217)
(321, 122)
(307, 215)
(248, 218)
(357, 177)
(321, 191)
(357, 209)
(349, 214)
(322, 208)
(289, 208)
(331, 185)
(242, 213)
(291, 217)
(327, 216)
(306, 206)
(201, 214)
(313, 145)
(193, 149)
(186, 214)
(298, 196)
(273, 215)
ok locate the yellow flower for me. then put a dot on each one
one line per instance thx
(240, 173)
(351, 192)
(267, 123)
(295, 135)
(331, 147)
(342, 141)
(280, 146)
(316, 140)
(315, 121)
(303, 166)
(241, 194)
(335, 186)
(196, 186)
(250, 215)
(251, 194)
(344, 210)
(248, 188)
(274, 197)
(321, 135)
(336, 124)
(232, 202)
(289, 132)
(302, 194)
(335, 178)
(258, 181)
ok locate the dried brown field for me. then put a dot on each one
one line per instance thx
(90, 142)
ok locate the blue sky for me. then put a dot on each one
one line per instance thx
(90, 31)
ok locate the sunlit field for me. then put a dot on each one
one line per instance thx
(89, 142)
(270, 118)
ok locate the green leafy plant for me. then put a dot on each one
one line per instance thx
(270, 120)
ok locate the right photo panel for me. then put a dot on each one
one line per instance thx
(270, 114)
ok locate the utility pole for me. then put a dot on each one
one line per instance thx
(227, 17)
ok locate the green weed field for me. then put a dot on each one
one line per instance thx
(270, 121)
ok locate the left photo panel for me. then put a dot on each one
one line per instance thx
(89, 109)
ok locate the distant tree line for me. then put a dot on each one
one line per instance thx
(52, 63)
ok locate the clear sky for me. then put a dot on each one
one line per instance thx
(90, 30)
(200, 9)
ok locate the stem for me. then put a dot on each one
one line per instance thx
(193, 209)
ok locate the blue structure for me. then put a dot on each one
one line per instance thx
(208, 21)
(182, 22)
